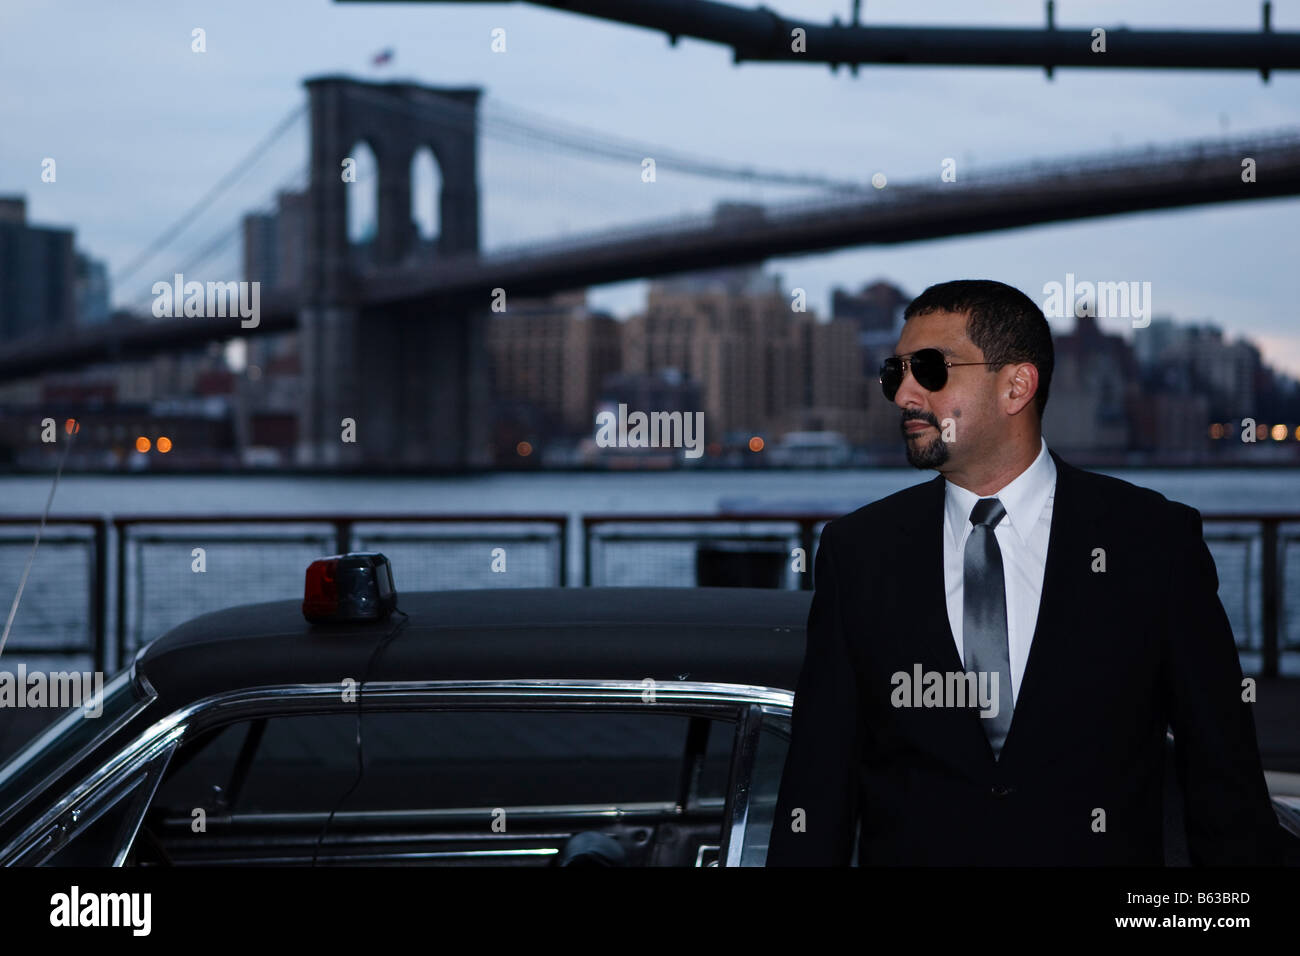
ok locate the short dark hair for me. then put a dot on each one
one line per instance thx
(1002, 321)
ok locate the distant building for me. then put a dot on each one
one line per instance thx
(835, 393)
(1171, 423)
(1094, 384)
(291, 239)
(878, 308)
(38, 275)
(554, 353)
(1194, 359)
(877, 313)
(273, 244)
(664, 391)
(92, 291)
(763, 369)
(1231, 370)
(269, 389)
(1151, 344)
(261, 260)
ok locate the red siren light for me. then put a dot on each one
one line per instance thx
(357, 586)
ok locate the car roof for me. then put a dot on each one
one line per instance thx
(725, 635)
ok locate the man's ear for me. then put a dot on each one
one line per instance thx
(1023, 387)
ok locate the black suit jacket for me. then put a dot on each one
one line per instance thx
(1117, 657)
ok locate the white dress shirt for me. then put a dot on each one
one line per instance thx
(1022, 537)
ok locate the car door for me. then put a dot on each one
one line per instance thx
(446, 773)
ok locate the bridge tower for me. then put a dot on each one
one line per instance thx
(412, 376)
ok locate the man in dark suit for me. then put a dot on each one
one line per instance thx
(994, 656)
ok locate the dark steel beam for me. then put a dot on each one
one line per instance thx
(762, 34)
(1049, 192)
(1024, 195)
(128, 337)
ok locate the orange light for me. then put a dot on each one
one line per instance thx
(72, 426)
(164, 444)
(142, 444)
(524, 449)
(756, 444)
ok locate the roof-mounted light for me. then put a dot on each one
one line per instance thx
(357, 586)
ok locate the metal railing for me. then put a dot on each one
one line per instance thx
(599, 531)
(1267, 538)
(43, 589)
(151, 576)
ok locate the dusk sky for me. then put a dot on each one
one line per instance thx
(141, 127)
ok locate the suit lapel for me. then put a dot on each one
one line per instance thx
(921, 551)
(921, 548)
(1074, 517)
(924, 605)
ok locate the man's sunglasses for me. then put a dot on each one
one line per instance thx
(929, 368)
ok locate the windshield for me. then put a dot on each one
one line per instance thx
(66, 738)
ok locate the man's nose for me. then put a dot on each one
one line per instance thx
(910, 394)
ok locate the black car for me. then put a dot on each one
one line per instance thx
(608, 726)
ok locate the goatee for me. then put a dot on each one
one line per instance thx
(923, 454)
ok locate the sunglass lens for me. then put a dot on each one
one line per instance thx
(929, 368)
(891, 377)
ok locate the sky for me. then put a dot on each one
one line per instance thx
(141, 127)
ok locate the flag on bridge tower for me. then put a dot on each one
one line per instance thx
(382, 57)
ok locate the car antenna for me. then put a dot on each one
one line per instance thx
(361, 760)
(72, 426)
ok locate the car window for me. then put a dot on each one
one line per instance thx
(446, 787)
(66, 738)
(99, 841)
(99, 825)
(449, 759)
(773, 742)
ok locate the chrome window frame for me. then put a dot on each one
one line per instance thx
(750, 705)
(758, 717)
(32, 749)
(81, 806)
(134, 786)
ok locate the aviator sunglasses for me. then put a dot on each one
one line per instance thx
(929, 368)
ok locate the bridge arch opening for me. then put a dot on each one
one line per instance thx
(362, 194)
(426, 191)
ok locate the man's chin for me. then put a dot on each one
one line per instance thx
(928, 455)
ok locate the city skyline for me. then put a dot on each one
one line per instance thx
(720, 344)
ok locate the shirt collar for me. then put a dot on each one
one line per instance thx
(1023, 498)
